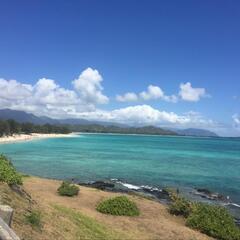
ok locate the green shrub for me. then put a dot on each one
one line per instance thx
(8, 173)
(180, 206)
(120, 206)
(214, 221)
(34, 219)
(68, 189)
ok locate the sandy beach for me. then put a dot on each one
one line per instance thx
(28, 137)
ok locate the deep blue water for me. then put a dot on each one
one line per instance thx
(212, 163)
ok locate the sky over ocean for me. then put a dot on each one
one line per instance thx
(164, 63)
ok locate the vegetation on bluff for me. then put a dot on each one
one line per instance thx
(8, 173)
(68, 189)
(10, 127)
(214, 221)
(34, 219)
(119, 206)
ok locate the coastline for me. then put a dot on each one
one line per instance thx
(44, 197)
(28, 137)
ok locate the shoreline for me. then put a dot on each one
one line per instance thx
(28, 137)
(64, 217)
(158, 195)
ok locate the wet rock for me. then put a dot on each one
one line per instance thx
(237, 221)
(160, 194)
(102, 185)
(205, 193)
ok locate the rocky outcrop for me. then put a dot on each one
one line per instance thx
(6, 233)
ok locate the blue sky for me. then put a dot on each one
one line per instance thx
(87, 50)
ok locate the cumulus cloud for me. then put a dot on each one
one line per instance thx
(13, 90)
(188, 93)
(147, 115)
(152, 93)
(127, 97)
(236, 120)
(88, 84)
(46, 97)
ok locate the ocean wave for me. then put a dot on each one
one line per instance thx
(233, 204)
(136, 187)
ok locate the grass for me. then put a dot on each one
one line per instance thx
(119, 206)
(55, 222)
(34, 219)
(84, 227)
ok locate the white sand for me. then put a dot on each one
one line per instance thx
(26, 137)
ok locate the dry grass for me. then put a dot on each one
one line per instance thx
(76, 218)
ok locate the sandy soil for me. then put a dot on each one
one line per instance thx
(154, 222)
(28, 137)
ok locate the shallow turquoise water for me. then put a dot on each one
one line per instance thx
(158, 161)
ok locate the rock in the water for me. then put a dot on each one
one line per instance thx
(205, 193)
(102, 185)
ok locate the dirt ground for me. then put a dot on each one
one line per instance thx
(154, 221)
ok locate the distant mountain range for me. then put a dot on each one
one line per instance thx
(195, 132)
(21, 117)
(99, 126)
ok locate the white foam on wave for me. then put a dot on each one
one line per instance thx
(130, 186)
(151, 188)
(135, 187)
(127, 185)
(233, 204)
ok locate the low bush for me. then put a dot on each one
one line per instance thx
(34, 219)
(180, 206)
(8, 173)
(214, 221)
(119, 206)
(68, 189)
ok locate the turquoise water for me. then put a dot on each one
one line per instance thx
(212, 163)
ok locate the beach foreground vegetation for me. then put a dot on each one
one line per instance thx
(68, 189)
(34, 219)
(8, 173)
(119, 206)
(214, 221)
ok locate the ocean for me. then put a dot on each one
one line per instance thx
(156, 161)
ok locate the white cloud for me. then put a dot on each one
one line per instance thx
(236, 120)
(188, 93)
(127, 97)
(152, 93)
(13, 90)
(88, 84)
(147, 115)
(46, 97)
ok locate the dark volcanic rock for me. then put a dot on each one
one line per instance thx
(204, 190)
(205, 193)
(102, 185)
(160, 194)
